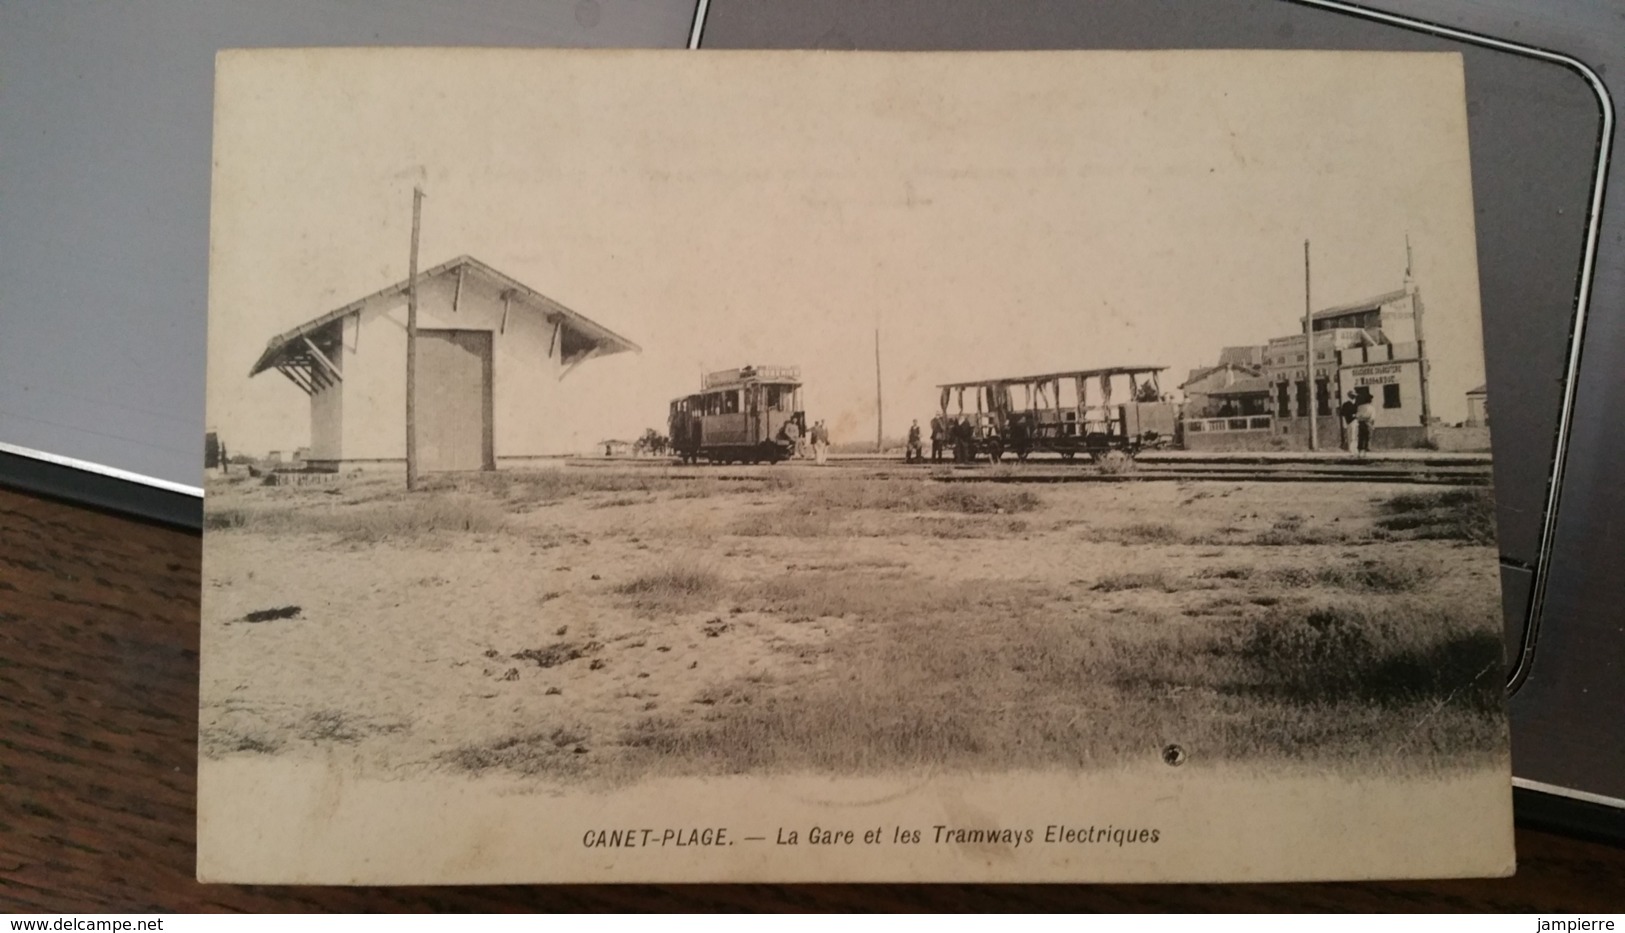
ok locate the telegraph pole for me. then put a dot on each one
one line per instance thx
(1421, 343)
(1309, 356)
(412, 345)
(880, 441)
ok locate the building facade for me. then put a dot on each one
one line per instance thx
(1209, 390)
(1365, 349)
(491, 354)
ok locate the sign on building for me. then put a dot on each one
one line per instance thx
(1385, 374)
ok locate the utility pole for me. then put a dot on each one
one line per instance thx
(412, 345)
(880, 441)
(1421, 343)
(1309, 356)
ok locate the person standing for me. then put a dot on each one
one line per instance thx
(820, 442)
(791, 433)
(1349, 413)
(914, 454)
(1366, 416)
(937, 432)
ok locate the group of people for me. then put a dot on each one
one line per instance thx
(1358, 415)
(956, 435)
(814, 442)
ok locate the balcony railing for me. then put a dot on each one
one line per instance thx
(1232, 425)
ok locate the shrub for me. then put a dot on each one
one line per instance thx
(1389, 656)
(672, 588)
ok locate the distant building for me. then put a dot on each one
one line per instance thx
(617, 448)
(212, 460)
(1478, 407)
(1236, 383)
(1367, 347)
(491, 352)
(1249, 357)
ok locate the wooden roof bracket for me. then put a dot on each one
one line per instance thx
(327, 364)
(579, 360)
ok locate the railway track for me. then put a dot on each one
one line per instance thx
(1446, 471)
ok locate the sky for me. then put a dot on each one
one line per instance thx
(991, 214)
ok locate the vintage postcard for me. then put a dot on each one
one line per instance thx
(776, 466)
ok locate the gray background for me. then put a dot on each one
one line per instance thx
(104, 173)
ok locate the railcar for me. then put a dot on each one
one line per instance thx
(751, 414)
(1101, 413)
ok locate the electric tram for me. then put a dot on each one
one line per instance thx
(748, 415)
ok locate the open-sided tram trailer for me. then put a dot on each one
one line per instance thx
(748, 415)
(1066, 413)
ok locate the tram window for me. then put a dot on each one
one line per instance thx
(778, 398)
(730, 403)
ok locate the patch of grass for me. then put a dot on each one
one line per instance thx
(786, 523)
(973, 672)
(558, 653)
(560, 750)
(1393, 655)
(1150, 580)
(1139, 533)
(1378, 576)
(619, 502)
(934, 526)
(218, 742)
(1455, 515)
(403, 516)
(551, 485)
(222, 519)
(672, 588)
(912, 496)
(873, 596)
(1288, 534)
(333, 725)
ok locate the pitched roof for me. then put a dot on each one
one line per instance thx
(1370, 304)
(604, 340)
(1198, 375)
(1046, 377)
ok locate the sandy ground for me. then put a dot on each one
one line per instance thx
(407, 649)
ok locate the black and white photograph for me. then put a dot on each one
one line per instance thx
(839, 466)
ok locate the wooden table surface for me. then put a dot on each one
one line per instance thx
(98, 751)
